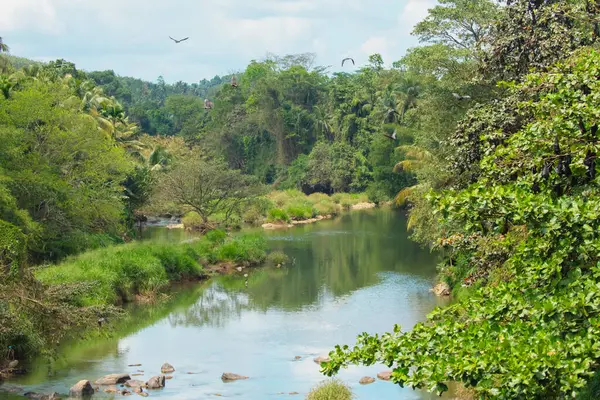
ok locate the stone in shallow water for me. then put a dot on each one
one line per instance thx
(385, 375)
(366, 380)
(156, 382)
(322, 359)
(113, 379)
(228, 376)
(134, 383)
(82, 388)
(167, 368)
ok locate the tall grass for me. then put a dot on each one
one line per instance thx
(119, 273)
(331, 390)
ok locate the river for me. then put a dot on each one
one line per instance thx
(357, 273)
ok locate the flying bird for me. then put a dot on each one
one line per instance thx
(178, 41)
(346, 59)
(393, 136)
(459, 97)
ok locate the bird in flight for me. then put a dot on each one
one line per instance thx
(348, 59)
(393, 136)
(178, 41)
(459, 97)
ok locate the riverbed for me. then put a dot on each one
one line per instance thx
(357, 273)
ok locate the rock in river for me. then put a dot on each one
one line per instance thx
(133, 383)
(41, 396)
(441, 289)
(322, 359)
(156, 382)
(385, 376)
(167, 368)
(113, 379)
(366, 380)
(228, 376)
(82, 389)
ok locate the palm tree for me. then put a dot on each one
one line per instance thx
(415, 158)
(3, 46)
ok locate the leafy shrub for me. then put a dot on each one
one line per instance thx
(300, 211)
(253, 216)
(216, 236)
(277, 257)
(326, 207)
(193, 221)
(246, 248)
(330, 390)
(278, 215)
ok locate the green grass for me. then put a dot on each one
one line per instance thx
(119, 273)
(277, 258)
(192, 220)
(331, 390)
(277, 215)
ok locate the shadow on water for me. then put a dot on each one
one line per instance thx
(357, 273)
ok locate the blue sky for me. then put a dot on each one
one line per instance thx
(131, 36)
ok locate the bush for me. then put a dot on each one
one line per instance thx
(216, 236)
(300, 211)
(326, 207)
(246, 248)
(253, 216)
(192, 221)
(331, 390)
(277, 258)
(278, 215)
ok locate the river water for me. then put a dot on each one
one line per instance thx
(357, 273)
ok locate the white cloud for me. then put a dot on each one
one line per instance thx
(39, 15)
(377, 44)
(414, 12)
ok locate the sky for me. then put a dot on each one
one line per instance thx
(131, 37)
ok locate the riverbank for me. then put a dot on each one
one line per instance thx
(89, 290)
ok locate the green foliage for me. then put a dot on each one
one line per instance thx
(117, 274)
(207, 187)
(277, 258)
(278, 215)
(13, 249)
(331, 390)
(531, 219)
(193, 221)
(216, 236)
(248, 249)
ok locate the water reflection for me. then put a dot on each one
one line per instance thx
(353, 274)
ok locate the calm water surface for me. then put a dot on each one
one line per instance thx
(358, 273)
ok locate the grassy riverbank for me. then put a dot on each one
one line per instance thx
(281, 207)
(120, 273)
(78, 293)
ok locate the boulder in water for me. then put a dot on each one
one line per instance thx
(228, 376)
(41, 396)
(82, 388)
(133, 383)
(113, 379)
(156, 382)
(367, 380)
(322, 359)
(385, 375)
(167, 368)
(441, 289)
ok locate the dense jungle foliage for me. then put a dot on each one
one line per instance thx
(487, 132)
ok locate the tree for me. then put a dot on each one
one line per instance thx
(528, 227)
(535, 34)
(460, 24)
(3, 46)
(207, 187)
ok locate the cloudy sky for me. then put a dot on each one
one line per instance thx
(131, 36)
